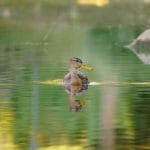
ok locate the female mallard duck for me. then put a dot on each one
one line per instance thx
(75, 77)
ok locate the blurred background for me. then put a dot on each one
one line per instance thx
(37, 38)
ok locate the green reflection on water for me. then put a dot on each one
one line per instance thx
(39, 113)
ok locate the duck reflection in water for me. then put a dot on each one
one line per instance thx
(76, 82)
(74, 104)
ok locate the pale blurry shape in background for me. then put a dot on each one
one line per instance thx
(141, 47)
(6, 13)
(98, 3)
(147, 1)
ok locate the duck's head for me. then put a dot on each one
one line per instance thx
(77, 63)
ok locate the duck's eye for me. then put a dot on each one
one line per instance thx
(78, 60)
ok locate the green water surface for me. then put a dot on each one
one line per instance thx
(37, 116)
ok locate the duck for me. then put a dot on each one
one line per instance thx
(75, 77)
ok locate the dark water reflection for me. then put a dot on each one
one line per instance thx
(114, 115)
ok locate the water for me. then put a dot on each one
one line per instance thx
(35, 108)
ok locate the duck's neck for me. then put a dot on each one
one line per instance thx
(74, 76)
(72, 70)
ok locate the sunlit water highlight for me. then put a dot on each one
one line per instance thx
(60, 82)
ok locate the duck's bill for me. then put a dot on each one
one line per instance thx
(86, 67)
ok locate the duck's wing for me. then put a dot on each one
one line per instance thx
(83, 77)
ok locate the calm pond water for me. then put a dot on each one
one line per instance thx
(35, 110)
